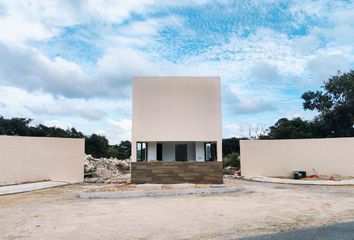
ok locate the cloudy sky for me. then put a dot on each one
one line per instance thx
(70, 63)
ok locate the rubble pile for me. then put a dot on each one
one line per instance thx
(231, 172)
(106, 170)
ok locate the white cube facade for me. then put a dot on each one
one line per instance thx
(176, 119)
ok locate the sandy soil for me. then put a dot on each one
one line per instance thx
(262, 208)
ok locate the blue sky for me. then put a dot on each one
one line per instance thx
(70, 63)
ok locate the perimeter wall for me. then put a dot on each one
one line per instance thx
(329, 156)
(26, 159)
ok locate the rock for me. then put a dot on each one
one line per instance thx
(91, 180)
(102, 173)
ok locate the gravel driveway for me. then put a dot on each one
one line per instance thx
(260, 209)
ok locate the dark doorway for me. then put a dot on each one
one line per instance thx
(181, 152)
(159, 151)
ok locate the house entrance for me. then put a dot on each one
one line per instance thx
(181, 152)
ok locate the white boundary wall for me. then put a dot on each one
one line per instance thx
(330, 156)
(24, 159)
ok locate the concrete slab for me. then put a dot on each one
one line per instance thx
(148, 186)
(157, 193)
(301, 182)
(174, 186)
(181, 185)
(28, 187)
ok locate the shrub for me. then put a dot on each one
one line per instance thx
(232, 160)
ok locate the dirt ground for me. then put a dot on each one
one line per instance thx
(261, 208)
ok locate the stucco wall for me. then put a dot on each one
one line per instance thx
(25, 159)
(176, 109)
(330, 156)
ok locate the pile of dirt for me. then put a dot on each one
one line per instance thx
(106, 170)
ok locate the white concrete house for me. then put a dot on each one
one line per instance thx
(176, 119)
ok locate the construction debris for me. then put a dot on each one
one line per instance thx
(327, 178)
(231, 173)
(106, 170)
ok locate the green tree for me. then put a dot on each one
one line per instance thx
(124, 149)
(231, 145)
(289, 129)
(113, 151)
(121, 150)
(232, 160)
(15, 126)
(96, 145)
(44, 131)
(335, 104)
(74, 133)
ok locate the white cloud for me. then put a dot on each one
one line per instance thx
(240, 103)
(55, 123)
(42, 19)
(323, 66)
(33, 20)
(139, 33)
(61, 77)
(2, 105)
(235, 58)
(29, 69)
(119, 65)
(14, 30)
(36, 105)
(265, 72)
(119, 129)
(81, 109)
(116, 11)
(124, 124)
(306, 44)
(337, 20)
